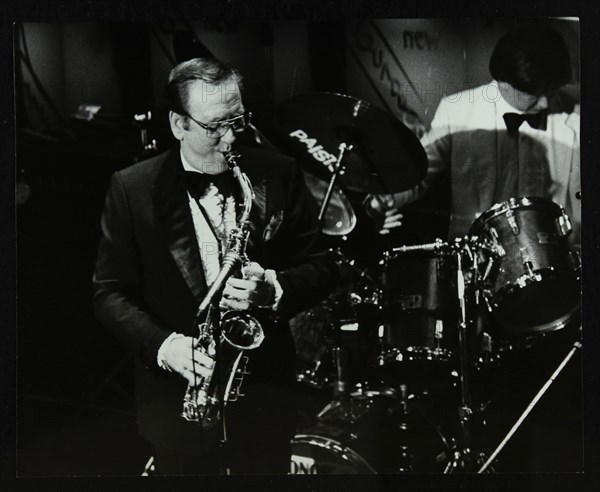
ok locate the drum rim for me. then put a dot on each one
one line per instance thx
(502, 207)
(337, 447)
(540, 329)
(418, 353)
(539, 275)
(526, 280)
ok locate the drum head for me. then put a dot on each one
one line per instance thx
(318, 455)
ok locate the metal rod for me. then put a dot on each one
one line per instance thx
(561, 366)
(337, 170)
(462, 333)
(420, 247)
(465, 411)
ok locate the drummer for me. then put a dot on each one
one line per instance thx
(517, 135)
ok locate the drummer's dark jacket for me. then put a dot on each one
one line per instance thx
(149, 279)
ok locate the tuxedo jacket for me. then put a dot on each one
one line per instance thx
(467, 135)
(149, 279)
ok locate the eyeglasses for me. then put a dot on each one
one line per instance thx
(220, 128)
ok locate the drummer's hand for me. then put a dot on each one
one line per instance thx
(392, 219)
(253, 290)
(384, 210)
(183, 356)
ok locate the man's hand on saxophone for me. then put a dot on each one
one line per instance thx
(192, 365)
(255, 289)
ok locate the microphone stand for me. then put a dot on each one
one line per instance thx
(576, 346)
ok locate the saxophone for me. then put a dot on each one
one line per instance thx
(239, 331)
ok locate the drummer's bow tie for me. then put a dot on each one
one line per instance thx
(534, 120)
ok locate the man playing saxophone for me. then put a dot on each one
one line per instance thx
(165, 229)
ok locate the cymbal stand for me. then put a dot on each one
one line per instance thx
(338, 170)
(340, 402)
(463, 457)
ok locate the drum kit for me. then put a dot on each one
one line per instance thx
(399, 351)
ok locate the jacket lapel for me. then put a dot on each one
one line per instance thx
(563, 127)
(258, 213)
(173, 214)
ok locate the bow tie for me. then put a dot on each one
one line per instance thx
(197, 183)
(534, 120)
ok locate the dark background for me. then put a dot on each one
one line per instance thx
(74, 393)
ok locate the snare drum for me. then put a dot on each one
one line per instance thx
(528, 273)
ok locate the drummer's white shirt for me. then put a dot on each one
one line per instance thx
(465, 133)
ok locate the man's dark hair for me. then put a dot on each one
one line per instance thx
(533, 59)
(209, 70)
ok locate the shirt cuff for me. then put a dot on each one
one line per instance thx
(160, 357)
(271, 277)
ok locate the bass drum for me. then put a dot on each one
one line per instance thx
(371, 437)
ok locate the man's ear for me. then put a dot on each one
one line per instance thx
(179, 124)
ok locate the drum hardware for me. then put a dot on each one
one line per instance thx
(344, 405)
(575, 260)
(563, 225)
(496, 246)
(338, 169)
(576, 346)
(463, 457)
(438, 245)
(512, 222)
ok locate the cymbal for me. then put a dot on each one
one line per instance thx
(385, 157)
(339, 218)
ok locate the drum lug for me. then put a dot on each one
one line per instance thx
(563, 225)
(496, 246)
(439, 330)
(575, 260)
(487, 295)
(526, 258)
(529, 267)
(512, 222)
(488, 269)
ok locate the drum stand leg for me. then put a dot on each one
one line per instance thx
(463, 458)
(341, 404)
